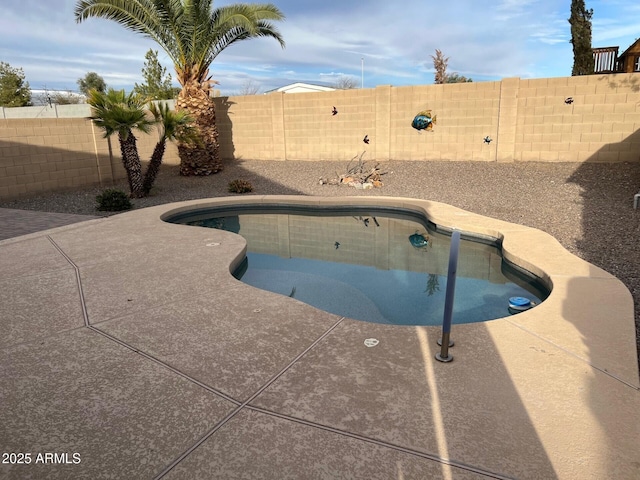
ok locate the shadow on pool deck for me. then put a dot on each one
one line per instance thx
(14, 223)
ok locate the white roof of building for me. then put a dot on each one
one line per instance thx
(300, 87)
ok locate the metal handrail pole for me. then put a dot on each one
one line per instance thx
(446, 342)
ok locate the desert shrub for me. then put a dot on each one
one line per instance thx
(113, 200)
(240, 186)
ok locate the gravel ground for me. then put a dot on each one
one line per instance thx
(587, 207)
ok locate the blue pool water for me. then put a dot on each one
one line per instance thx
(373, 267)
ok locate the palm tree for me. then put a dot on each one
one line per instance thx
(116, 112)
(192, 34)
(173, 126)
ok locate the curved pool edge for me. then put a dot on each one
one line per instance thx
(589, 312)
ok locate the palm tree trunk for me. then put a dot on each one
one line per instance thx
(131, 162)
(154, 167)
(203, 157)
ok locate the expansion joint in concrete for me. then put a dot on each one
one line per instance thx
(245, 404)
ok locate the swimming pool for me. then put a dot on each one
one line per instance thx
(383, 265)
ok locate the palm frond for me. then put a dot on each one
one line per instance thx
(117, 112)
(239, 22)
(191, 32)
(268, 29)
(173, 125)
(150, 18)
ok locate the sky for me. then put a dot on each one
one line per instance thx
(372, 42)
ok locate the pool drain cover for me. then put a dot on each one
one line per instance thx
(371, 342)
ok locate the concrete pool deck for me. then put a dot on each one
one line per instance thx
(127, 342)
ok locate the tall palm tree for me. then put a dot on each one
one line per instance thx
(117, 112)
(192, 33)
(173, 126)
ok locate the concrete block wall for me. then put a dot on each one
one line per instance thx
(527, 120)
(49, 154)
(245, 126)
(47, 111)
(282, 126)
(465, 113)
(314, 133)
(600, 124)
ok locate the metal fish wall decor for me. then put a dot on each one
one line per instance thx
(424, 121)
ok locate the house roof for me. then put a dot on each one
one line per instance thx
(302, 87)
(631, 48)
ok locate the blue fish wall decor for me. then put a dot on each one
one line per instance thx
(424, 121)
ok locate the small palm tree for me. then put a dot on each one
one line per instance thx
(174, 126)
(193, 34)
(117, 112)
